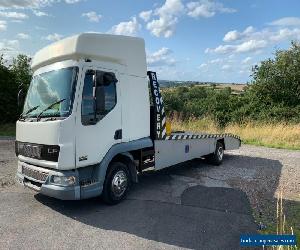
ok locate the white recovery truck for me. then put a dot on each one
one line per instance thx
(89, 126)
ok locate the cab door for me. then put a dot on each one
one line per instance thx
(97, 132)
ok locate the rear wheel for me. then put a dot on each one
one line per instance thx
(116, 184)
(216, 158)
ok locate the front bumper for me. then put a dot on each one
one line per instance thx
(33, 180)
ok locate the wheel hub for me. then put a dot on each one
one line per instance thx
(119, 183)
(220, 153)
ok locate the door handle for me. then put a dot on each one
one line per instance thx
(118, 134)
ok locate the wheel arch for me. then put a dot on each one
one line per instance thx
(127, 159)
(122, 151)
(222, 141)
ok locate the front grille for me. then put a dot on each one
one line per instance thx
(37, 151)
(35, 174)
(32, 151)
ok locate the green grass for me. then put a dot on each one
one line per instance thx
(8, 129)
(292, 212)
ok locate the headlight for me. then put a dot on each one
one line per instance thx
(63, 180)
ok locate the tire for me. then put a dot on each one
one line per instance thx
(116, 184)
(216, 158)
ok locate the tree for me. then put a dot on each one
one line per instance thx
(21, 69)
(10, 79)
(277, 81)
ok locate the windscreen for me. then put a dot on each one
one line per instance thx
(48, 88)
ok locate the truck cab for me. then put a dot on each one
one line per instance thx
(86, 127)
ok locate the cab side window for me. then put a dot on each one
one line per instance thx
(99, 96)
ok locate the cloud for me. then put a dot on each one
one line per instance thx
(206, 8)
(3, 25)
(23, 36)
(160, 57)
(9, 49)
(22, 4)
(39, 13)
(145, 15)
(165, 18)
(251, 45)
(247, 60)
(72, 1)
(217, 60)
(202, 66)
(234, 35)
(285, 34)
(31, 4)
(286, 21)
(53, 37)
(167, 15)
(247, 46)
(129, 28)
(92, 16)
(13, 14)
(226, 67)
(251, 40)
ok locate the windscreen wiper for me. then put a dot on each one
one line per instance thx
(23, 115)
(49, 107)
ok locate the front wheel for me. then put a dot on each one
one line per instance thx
(116, 183)
(216, 158)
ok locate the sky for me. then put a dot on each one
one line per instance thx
(197, 40)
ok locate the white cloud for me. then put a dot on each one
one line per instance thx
(166, 17)
(53, 37)
(247, 46)
(251, 45)
(29, 4)
(250, 40)
(234, 35)
(247, 60)
(13, 14)
(92, 16)
(39, 13)
(217, 60)
(161, 57)
(21, 4)
(206, 8)
(231, 36)
(3, 25)
(286, 21)
(129, 28)
(202, 66)
(23, 36)
(167, 14)
(226, 67)
(9, 49)
(145, 15)
(285, 34)
(72, 1)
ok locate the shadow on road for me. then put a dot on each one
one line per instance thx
(204, 217)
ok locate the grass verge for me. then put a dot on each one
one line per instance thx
(8, 129)
(279, 135)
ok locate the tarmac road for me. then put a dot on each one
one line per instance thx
(187, 206)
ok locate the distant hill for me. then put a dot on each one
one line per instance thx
(238, 87)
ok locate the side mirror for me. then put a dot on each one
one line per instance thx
(105, 78)
(21, 96)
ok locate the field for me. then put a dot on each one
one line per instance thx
(277, 135)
